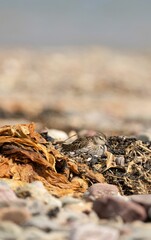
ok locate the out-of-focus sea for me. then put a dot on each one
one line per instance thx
(36, 23)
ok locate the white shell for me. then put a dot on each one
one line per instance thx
(57, 134)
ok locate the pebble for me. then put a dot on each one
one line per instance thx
(57, 134)
(16, 203)
(76, 205)
(68, 218)
(91, 231)
(15, 214)
(120, 160)
(9, 230)
(144, 200)
(81, 207)
(137, 231)
(36, 207)
(100, 190)
(111, 207)
(6, 193)
(42, 222)
(37, 191)
(67, 200)
(33, 233)
(63, 235)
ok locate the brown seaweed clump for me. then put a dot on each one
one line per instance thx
(26, 156)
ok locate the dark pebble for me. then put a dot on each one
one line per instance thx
(111, 207)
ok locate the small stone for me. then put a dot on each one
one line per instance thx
(120, 160)
(36, 207)
(3, 183)
(111, 207)
(7, 194)
(138, 231)
(100, 190)
(91, 231)
(20, 203)
(69, 200)
(9, 230)
(144, 200)
(42, 222)
(32, 233)
(63, 235)
(37, 191)
(57, 134)
(34, 190)
(53, 212)
(84, 207)
(38, 184)
(68, 217)
(14, 214)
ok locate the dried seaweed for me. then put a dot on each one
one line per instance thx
(134, 177)
(26, 156)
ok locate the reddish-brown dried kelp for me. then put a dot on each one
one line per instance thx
(26, 156)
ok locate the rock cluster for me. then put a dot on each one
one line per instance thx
(29, 212)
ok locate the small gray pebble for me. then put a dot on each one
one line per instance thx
(42, 222)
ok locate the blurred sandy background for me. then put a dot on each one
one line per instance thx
(75, 65)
